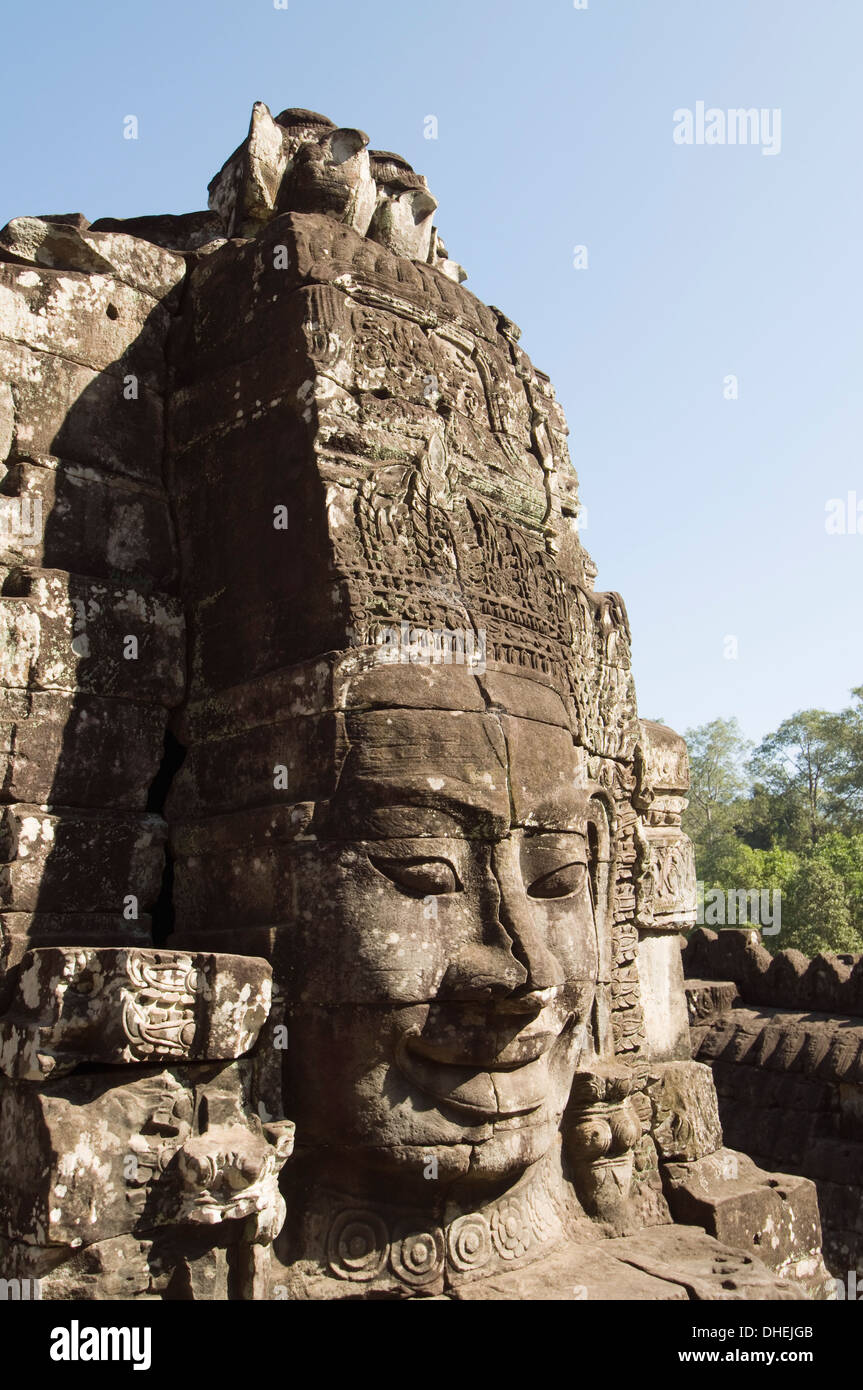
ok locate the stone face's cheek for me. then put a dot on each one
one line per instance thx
(345, 1055)
(357, 936)
(569, 930)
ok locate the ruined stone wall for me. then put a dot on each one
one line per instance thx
(784, 1037)
(92, 646)
(92, 662)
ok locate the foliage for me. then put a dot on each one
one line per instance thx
(787, 815)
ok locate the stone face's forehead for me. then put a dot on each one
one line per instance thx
(403, 686)
(445, 760)
(517, 772)
(545, 773)
(526, 698)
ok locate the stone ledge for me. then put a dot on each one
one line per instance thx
(773, 1216)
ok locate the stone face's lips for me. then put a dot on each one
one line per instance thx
(487, 1087)
(517, 1053)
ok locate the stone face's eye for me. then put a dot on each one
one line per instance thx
(559, 883)
(420, 878)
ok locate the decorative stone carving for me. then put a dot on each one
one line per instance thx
(402, 775)
(602, 1130)
(115, 1006)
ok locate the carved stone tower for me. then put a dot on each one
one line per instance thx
(327, 805)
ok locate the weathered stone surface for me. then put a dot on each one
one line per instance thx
(775, 1217)
(827, 984)
(81, 750)
(336, 622)
(304, 748)
(62, 632)
(789, 1078)
(61, 246)
(61, 410)
(90, 859)
(94, 320)
(707, 1270)
(685, 1120)
(88, 524)
(95, 1159)
(20, 931)
(113, 1006)
(187, 231)
(581, 1272)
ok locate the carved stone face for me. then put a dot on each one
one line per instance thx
(444, 962)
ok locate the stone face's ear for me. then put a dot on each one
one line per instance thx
(600, 845)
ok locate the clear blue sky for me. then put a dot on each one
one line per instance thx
(555, 128)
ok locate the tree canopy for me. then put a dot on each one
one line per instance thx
(787, 817)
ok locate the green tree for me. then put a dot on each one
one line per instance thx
(766, 819)
(789, 819)
(845, 793)
(717, 753)
(815, 916)
(801, 762)
(844, 854)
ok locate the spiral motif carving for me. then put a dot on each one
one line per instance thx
(358, 1246)
(469, 1242)
(417, 1257)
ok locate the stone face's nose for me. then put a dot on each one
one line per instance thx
(529, 1002)
(543, 971)
(511, 963)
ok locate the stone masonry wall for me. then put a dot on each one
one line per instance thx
(784, 1037)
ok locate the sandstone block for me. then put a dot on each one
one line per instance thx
(774, 1217)
(685, 1122)
(58, 408)
(129, 1005)
(707, 998)
(80, 861)
(94, 320)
